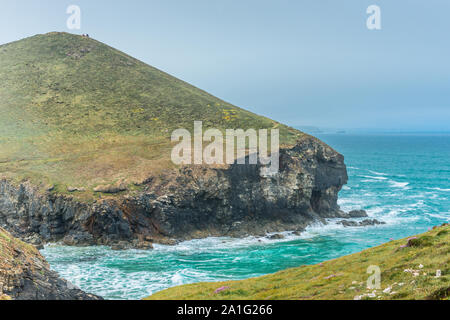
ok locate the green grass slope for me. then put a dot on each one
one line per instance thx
(408, 271)
(76, 112)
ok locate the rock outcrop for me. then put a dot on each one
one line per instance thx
(190, 202)
(25, 275)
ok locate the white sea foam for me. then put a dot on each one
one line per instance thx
(441, 216)
(398, 216)
(349, 204)
(318, 229)
(177, 278)
(375, 212)
(378, 173)
(396, 184)
(374, 178)
(439, 189)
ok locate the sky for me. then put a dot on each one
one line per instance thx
(301, 62)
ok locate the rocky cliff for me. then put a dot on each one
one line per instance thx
(25, 275)
(190, 202)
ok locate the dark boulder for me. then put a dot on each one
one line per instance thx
(364, 223)
(276, 237)
(347, 223)
(358, 214)
(371, 222)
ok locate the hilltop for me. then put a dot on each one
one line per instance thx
(408, 271)
(77, 113)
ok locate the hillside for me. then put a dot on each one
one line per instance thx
(77, 113)
(408, 271)
(85, 155)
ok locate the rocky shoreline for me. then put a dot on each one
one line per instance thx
(25, 275)
(191, 202)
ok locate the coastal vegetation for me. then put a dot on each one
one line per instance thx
(412, 268)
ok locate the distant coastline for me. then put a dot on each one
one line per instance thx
(316, 130)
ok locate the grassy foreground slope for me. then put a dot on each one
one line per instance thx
(76, 112)
(408, 271)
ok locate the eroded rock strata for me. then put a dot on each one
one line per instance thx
(25, 275)
(191, 202)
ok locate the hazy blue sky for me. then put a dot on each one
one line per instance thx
(300, 62)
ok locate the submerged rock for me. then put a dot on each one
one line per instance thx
(276, 237)
(353, 214)
(346, 223)
(358, 214)
(364, 223)
(135, 244)
(371, 222)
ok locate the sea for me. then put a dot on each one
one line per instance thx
(400, 179)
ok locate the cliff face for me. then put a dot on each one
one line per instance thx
(192, 202)
(25, 275)
(238, 200)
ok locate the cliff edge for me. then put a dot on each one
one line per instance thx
(190, 202)
(25, 275)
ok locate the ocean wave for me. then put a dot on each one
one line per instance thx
(378, 173)
(396, 184)
(375, 212)
(320, 229)
(374, 178)
(352, 203)
(439, 189)
(440, 216)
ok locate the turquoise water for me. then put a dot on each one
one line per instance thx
(403, 180)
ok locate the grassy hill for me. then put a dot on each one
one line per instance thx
(408, 271)
(76, 112)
